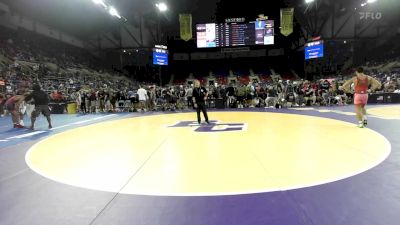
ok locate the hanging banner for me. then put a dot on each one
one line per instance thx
(287, 21)
(185, 21)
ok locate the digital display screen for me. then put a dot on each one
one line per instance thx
(160, 57)
(314, 50)
(212, 35)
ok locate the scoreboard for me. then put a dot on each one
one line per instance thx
(314, 50)
(160, 57)
(212, 35)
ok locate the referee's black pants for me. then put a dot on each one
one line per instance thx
(201, 106)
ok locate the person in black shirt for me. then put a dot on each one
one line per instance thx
(199, 97)
(41, 100)
(230, 92)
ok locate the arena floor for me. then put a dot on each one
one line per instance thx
(300, 166)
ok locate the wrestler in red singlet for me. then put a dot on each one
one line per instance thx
(361, 83)
(361, 91)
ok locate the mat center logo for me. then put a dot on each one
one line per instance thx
(214, 126)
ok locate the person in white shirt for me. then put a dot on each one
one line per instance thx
(189, 95)
(142, 93)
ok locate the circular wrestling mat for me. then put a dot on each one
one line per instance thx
(385, 112)
(239, 152)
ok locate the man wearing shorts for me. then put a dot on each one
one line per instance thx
(41, 100)
(361, 83)
(142, 93)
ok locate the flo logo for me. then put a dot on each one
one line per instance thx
(214, 126)
(370, 15)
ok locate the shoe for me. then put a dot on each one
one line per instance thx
(207, 122)
(31, 128)
(365, 122)
(18, 126)
(360, 125)
(50, 126)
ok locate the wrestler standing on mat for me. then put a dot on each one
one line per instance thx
(361, 83)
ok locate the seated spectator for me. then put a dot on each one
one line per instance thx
(57, 96)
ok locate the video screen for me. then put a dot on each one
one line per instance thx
(314, 50)
(212, 35)
(160, 57)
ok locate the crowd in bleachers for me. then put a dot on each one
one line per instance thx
(73, 76)
(276, 91)
(272, 93)
(60, 69)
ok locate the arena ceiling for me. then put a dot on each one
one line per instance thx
(83, 18)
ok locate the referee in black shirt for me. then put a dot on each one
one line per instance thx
(42, 100)
(199, 97)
